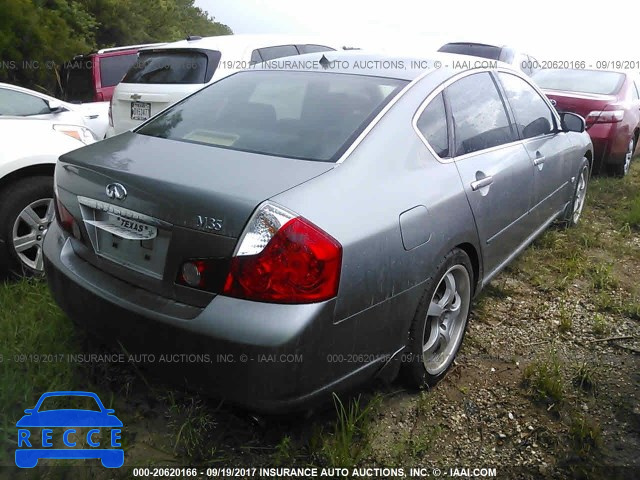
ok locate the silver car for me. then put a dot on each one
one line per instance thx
(304, 226)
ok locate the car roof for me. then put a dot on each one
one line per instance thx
(246, 40)
(360, 62)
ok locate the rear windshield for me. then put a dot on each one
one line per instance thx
(112, 69)
(170, 67)
(584, 81)
(305, 115)
(475, 49)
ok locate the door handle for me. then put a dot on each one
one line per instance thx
(538, 161)
(483, 182)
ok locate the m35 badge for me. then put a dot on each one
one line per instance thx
(208, 224)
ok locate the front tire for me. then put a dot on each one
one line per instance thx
(26, 211)
(574, 210)
(440, 321)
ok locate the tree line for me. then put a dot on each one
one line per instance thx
(38, 36)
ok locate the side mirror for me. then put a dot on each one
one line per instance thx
(29, 411)
(55, 106)
(572, 122)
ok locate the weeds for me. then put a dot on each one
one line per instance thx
(586, 377)
(585, 435)
(347, 445)
(193, 422)
(544, 379)
(600, 325)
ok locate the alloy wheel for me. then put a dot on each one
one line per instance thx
(581, 194)
(446, 319)
(29, 230)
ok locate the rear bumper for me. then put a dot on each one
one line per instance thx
(267, 357)
(610, 142)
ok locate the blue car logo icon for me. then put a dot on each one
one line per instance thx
(31, 448)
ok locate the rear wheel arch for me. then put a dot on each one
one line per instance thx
(471, 251)
(589, 156)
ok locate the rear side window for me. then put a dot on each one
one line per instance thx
(76, 79)
(21, 104)
(305, 115)
(433, 126)
(475, 49)
(271, 53)
(112, 69)
(170, 67)
(479, 115)
(533, 116)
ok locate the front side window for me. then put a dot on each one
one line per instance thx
(271, 53)
(305, 115)
(433, 126)
(479, 116)
(636, 91)
(21, 104)
(533, 116)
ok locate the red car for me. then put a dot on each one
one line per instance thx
(93, 77)
(610, 103)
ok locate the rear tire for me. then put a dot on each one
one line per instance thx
(26, 211)
(440, 321)
(621, 169)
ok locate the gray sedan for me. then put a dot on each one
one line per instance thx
(310, 224)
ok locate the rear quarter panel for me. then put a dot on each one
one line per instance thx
(360, 201)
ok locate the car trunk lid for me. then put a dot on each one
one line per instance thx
(581, 103)
(185, 200)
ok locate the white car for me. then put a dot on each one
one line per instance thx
(21, 102)
(164, 75)
(30, 149)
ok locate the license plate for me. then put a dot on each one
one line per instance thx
(140, 110)
(125, 228)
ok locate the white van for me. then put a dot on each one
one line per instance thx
(164, 75)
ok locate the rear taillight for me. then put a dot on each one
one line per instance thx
(284, 258)
(605, 116)
(65, 219)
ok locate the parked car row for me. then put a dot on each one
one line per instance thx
(163, 75)
(313, 212)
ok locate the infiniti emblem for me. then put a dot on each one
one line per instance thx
(116, 191)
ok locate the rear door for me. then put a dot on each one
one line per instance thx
(550, 149)
(493, 164)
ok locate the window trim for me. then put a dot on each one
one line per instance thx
(447, 117)
(453, 79)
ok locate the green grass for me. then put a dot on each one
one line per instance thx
(347, 445)
(36, 338)
(544, 379)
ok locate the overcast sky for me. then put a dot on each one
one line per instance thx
(549, 29)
